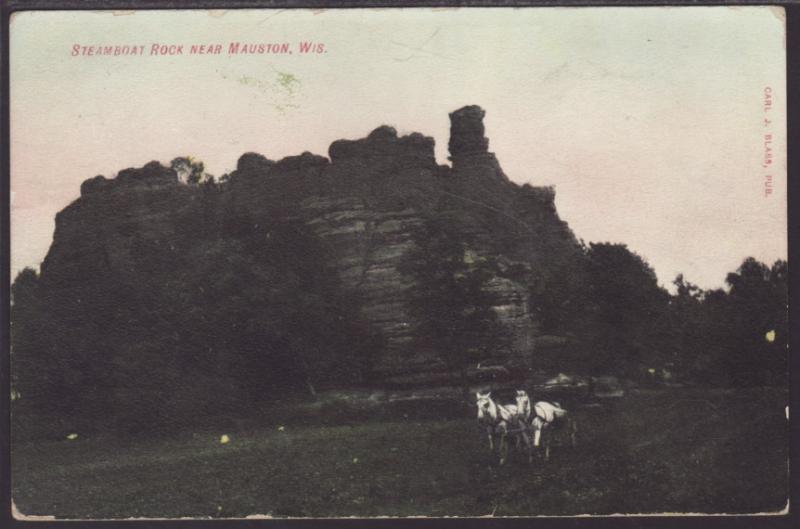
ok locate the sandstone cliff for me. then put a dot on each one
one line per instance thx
(362, 202)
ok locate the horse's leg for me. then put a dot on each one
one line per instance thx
(491, 438)
(547, 448)
(503, 429)
(538, 441)
(527, 440)
(503, 448)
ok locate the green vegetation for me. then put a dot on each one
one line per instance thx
(228, 322)
(621, 322)
(705, 451)
(190, 170)
(452, 301)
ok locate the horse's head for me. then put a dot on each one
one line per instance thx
(523, 403)
(486, 407)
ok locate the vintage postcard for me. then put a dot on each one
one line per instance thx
(459, 262)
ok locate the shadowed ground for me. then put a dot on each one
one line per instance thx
(679, 450)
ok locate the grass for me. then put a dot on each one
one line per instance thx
(679, 450)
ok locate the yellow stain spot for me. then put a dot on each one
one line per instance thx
(652, 371)
(288, 81)
(770, 336)
(355, 460)
(225, 439)
(72, 436)
(281, 428)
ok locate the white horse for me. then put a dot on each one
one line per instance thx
(497, 418)
(548, 416)
(524, 406)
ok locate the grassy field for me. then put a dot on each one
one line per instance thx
(677, 450)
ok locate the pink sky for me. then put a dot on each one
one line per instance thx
(649, 121)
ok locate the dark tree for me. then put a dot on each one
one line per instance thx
(758, 315)
(28, 358)
(198, 325)
(628, 310)
(735, 337)
(452, 302)
(685, 317)
(559, 296)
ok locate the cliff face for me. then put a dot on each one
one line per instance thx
(363, 203)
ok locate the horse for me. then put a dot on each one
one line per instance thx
(497, 418)
(523, 406)
(546, 417)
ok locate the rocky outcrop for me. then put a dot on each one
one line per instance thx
(363, 203)
(252, 162)
(467, 132)
(151, 175)
(368, 246)
(383, 144)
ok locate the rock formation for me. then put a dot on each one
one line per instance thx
(467, 132)
(362, 202)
